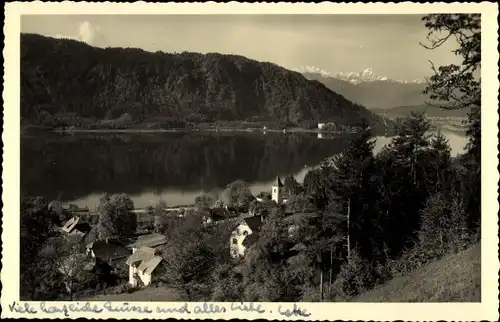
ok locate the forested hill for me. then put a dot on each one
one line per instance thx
(67, 77)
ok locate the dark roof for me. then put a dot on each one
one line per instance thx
(250, 239)
(254, 223)
(278, 182)
(220, 214)
(108, 251)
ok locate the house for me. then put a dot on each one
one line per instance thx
(111, 252)
(151, 241)
(142, 263)
(217, 215)
(321, 126)
(249, 226)
(76, 227)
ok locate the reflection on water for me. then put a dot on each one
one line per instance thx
(172, 167)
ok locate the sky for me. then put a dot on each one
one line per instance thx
(388, 44)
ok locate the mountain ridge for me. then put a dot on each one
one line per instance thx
(375, 94)
(62, 76)
(365, 76)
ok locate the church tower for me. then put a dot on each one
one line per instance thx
(277, 191)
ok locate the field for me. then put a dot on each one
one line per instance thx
(455, 278)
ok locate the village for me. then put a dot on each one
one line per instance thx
(141, 255)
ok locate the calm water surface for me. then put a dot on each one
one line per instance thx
(174, 167)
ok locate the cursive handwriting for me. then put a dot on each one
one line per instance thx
(22, 308)
(126, 308)
(66, 309)
(183, 309)
(247, 307)
(209, 308)
(296, 311)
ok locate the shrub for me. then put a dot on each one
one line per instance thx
(355, 277)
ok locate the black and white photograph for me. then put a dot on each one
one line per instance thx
(248, 158)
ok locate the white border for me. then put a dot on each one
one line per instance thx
(486, 310)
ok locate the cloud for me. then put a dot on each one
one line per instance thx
(86, 33)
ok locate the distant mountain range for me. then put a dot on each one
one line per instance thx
(365, 76)
(61, 76)
(372, 91)
(384, 96)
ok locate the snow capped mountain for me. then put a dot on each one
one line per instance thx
(312, 69)
(365, 76)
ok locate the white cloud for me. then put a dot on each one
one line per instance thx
(86, 33)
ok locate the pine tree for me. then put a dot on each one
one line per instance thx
(403, 171)
(440, 176)
(459, 87)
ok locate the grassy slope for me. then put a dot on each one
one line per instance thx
(455, 278)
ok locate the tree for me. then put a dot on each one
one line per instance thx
(74, 267)
(459, 87)
(203, 201)
(260, 208)
(238, 194)
(440, 178)
(444, 226)
(37, 224)
(190, 257)
(116, 217)
(266, 275)
(265, 195)
(350, 179)
(355, 277)
(228, 284)
(292, 187)
(403, 169)
(300, 203)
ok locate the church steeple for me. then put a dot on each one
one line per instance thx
(278, 182)
(277, 191)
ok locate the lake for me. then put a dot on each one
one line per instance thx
(174, 167)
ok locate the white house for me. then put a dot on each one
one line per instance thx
(321, 126)
(142, 263)
(239, 240)
(144, 259)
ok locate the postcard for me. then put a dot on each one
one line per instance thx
(250, 161)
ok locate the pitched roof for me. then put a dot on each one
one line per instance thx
(250, 239)
(142, 254)
(278, 182)
(254, 223)
(76, 222)
(152, 240)
(150, 265)
(220, 214)
(108, 250)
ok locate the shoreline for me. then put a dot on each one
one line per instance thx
(199, 130)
